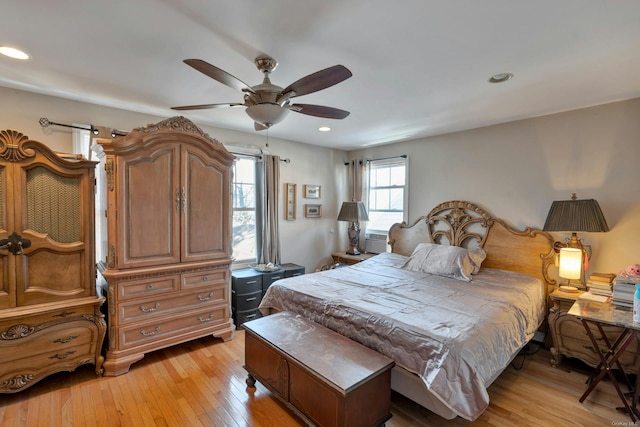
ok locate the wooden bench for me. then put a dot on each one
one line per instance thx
(323, 377)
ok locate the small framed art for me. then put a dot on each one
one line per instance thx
(312, 211)
(289, 201)
(311, 191)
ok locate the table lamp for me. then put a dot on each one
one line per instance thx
(353, 212)
(576, 215)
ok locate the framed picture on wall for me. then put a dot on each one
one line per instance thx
(312, 211)
(311, 191)
(289, 201)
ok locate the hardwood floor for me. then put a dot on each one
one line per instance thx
(202, 383)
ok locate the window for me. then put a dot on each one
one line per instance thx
(387, 201)
(244, 209)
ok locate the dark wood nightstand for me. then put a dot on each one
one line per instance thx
(344, 258)
(248, 286)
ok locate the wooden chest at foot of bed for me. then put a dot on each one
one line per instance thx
(323, 377)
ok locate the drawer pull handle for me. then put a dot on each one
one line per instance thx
(66, 340)
(149, 286)
(206, 319)
(250, 316)
(251, 299)
(62, 356)
(65, 314)
(150, 309)
(205, 278)
(149, 333)
(207, 298)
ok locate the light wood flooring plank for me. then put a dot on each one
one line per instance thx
(202, 383)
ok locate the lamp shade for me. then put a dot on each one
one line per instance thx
(575, 215)
(570, 263)
(353, 212)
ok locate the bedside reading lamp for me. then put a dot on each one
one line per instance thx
(576, 215)
(353, 212)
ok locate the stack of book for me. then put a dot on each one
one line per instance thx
(601, 284)
(624, 286)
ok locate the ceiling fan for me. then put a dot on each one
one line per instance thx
(268, 104)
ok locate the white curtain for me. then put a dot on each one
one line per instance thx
(267, 214)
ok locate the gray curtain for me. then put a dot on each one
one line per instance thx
(268, 177)
(358, 181)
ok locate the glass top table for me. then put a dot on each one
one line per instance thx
(595, 314)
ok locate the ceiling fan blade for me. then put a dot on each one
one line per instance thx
(319, 111)
(317, 81)
(218, 74)
(207, 106)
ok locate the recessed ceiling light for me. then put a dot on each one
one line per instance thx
(500, 77)
(13, 52)
(324, 128)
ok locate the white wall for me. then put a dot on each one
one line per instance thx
(307, 242)
(513, 170)
(516, 170)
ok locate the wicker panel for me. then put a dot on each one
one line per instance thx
(53, 205)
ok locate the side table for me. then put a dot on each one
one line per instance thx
(595, 315)
(344, 258)
(570, 338)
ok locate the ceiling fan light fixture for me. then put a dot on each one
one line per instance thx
(500, 77)
(12, 52)
(267, 114)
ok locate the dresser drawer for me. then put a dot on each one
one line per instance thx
(148, 308)
(246, 281)
(167, 327)
(205, 278)
(54, 339)
(247, 301)
(46, 362)
(148, 286)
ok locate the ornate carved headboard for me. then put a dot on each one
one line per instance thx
(465, 224)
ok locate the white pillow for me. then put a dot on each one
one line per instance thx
(449, 261)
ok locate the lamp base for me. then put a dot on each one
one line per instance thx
(353, 251)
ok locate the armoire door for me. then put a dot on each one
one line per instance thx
(46, 240)
(7, 260)
(149, 195)
(206, 207)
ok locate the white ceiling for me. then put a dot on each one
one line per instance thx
(420, 67)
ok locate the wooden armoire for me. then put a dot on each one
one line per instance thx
(50, 318)
(169, 240)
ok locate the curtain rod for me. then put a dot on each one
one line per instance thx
(44, 122)
(257, 156)
(401, 156)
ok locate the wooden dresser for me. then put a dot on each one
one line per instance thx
(571, 340)
(50, 319)
(169, 240)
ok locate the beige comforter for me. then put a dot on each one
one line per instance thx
(457, 336)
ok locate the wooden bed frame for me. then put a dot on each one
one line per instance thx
(462, 223)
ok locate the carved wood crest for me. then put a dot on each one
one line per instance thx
(12, 146)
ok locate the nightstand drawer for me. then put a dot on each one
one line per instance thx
(269, 278)
(246, 281)
(247, 301)
(244, 316)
